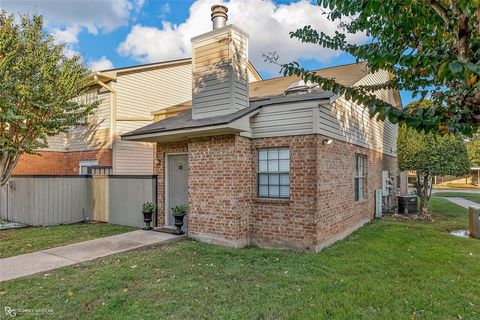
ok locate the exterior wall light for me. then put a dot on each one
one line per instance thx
(327, 141)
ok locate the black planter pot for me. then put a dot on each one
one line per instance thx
(147, 218)
(179, 224)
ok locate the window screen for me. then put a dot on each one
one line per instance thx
(274, 173)
(360, 177)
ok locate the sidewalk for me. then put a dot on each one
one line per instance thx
(462, 202)
(41, 261)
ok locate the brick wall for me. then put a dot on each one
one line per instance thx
(65, 163)
(223, 206)
(288, 223)
(220, 189)
(338, 214)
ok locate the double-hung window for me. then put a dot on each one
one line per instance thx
(360, 177)
(274, 173)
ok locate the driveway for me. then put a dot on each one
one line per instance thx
(45, 260)
(456, 190)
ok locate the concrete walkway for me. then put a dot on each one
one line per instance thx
(41, 261)
(462, 202)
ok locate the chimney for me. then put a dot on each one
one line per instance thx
(219, 68)
(219, 16)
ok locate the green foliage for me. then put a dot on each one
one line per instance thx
(431, 154)
(473, 148)
(180, 210)
(431, 48)
(148, 207)
(38, 88)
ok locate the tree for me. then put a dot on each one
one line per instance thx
(431, 48)
(473, 148)
(430, 155)
(38, 84)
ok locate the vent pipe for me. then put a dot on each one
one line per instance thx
(219, 16)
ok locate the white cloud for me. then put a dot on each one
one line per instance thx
(101, 64)
(268, 25)
(68, 34)
(95, 16)
(66, 19)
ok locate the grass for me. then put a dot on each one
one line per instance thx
(25, 240)
(475, 197)
(389, 269)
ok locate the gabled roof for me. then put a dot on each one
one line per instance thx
(184, 121)
(347, 75)
(110, 74)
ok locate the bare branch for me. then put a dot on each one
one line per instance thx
(440, 10)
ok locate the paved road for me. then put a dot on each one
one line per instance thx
(45, 260)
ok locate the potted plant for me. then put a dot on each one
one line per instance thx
(179, 212)
(147, 210)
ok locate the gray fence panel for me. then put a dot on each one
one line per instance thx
(54, 200)
(127, 195)
(3, 203)
(44, 201)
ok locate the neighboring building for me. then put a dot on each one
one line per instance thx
(274, 163)
(128, 97)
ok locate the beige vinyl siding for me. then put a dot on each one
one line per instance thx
(96, 133)
(56, 143)
(220, 72)
(284, 120)
(341, 119)
(132, 157)
(350, 122)
(140, 93)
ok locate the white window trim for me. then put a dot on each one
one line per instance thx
(275, 172)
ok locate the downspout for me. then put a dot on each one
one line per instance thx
(113, 118)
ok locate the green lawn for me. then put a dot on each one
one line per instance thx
(389, 269)
(475, 197)
(25, 240)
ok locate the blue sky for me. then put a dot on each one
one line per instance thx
(117, 33)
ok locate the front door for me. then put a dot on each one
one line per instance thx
(177, 191)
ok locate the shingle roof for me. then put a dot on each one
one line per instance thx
(184, 119)
(262, 93)
(347, 75)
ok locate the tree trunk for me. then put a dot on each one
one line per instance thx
(8, 161)
(424, 194)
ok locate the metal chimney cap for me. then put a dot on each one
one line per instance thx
(219, 16)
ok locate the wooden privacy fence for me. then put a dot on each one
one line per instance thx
(54, 200)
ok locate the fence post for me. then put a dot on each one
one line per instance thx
(100, 198)
(3, 202)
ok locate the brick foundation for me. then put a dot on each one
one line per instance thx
(224, 209)
(63, 163)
